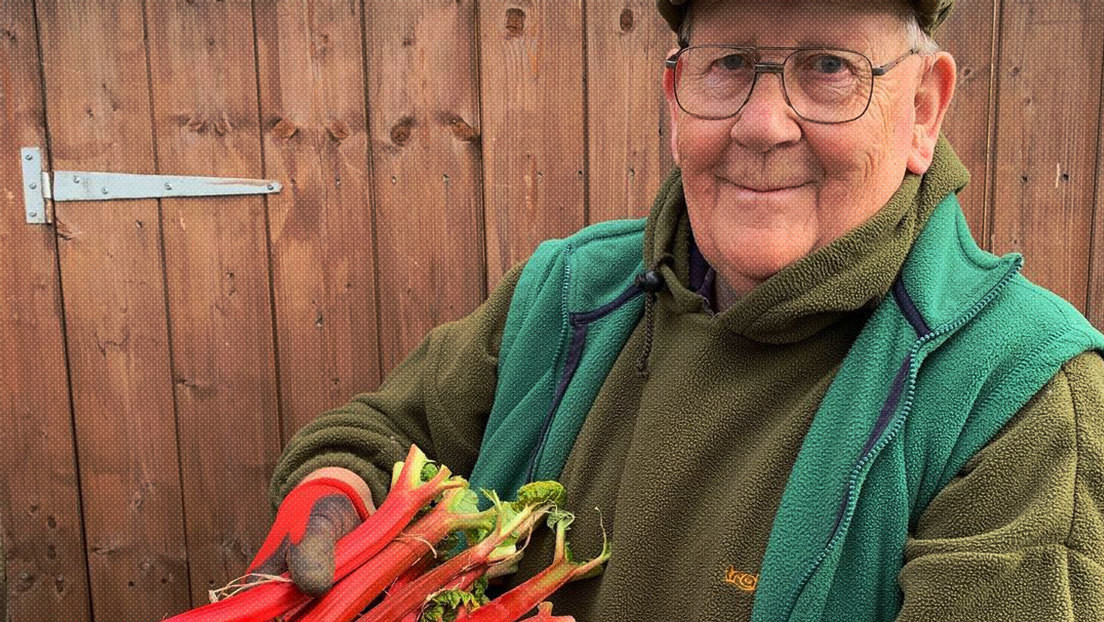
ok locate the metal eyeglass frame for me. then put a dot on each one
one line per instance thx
(767, 67)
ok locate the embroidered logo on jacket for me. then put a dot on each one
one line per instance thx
(742, 580)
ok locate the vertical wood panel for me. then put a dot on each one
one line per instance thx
(41, 531)
(531, 85)
(205, 118)
(316, 141)
(1095, 304)
(98, 117)
(969, 36)
(423, 117)
(628, 121)
(1047, 120)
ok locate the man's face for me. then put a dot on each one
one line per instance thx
(766, 187)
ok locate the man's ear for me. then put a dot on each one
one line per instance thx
(672, 104)
(933, 96)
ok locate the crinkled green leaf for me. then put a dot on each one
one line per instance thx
(429, 471)
(540, 493)
(445, 605)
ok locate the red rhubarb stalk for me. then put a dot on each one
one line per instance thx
(510, 606)
(408, 577)
(408, 495)
(544, 614)
(352, 594)
(474, 558)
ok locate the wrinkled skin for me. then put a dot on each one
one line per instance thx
(766, 187)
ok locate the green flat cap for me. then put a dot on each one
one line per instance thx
(931, 13)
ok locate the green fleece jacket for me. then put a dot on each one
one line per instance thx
(688, 466)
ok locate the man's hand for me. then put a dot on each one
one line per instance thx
(326, 505)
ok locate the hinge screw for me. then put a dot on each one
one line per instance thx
(270, 186)
(28, 157)
(76, 180)
(33, 214)
(168, 186)
(103, 190)
(33, 185)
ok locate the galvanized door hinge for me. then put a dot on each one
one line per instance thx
(100, 186)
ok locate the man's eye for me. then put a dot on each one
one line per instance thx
(826, 63)
(733, 62)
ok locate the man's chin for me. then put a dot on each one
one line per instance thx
(763, 257)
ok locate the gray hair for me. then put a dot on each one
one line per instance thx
(917, 39)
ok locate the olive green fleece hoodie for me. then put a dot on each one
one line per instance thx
(688, 466)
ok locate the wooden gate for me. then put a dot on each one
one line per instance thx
(156, 354)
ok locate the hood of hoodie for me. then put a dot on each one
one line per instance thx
(851, 274)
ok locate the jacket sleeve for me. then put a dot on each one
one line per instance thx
(1018, 534)
(439, 398)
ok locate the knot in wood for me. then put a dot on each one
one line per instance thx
(284, 129)
(462, 131)
(400, 132)
(337, 130)
(515, 23)
(627, 20)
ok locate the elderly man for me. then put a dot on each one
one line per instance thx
(797, 391)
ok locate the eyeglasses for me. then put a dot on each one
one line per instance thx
(822, 85)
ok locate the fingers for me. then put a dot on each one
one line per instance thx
(311, 561)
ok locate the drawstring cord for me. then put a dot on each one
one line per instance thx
(651, 281)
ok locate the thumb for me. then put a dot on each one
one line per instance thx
(311, 560)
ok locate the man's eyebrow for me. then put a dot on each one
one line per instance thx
(821, 43)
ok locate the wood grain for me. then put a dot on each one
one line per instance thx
(628, 123)
(98, 115)
(41, 528)
(531, 85)
(424, 118)
(1047, 128)
(315, 132)
(1095, 303)
(206, 122)
(970, 37)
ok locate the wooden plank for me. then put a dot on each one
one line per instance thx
(311, 76)
(1095, 305)
(424, 117)
(41, 530)
(204, 89)
(969, 36)
(531, 84)
(97, 101)
(628, 123)
(1047, 117)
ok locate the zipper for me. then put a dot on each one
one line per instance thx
(578, 322)
(849, 499)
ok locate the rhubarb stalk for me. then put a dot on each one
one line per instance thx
(408, 495)
(544, 614)
(498, 545)
(523, 598)
(457, 511)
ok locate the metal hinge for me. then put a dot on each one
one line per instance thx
(99, 186)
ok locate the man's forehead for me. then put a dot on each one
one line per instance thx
(794, 22)
(811, 9)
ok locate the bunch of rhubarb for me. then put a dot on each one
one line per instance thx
(425, 556)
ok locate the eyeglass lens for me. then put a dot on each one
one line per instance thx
(828, 86)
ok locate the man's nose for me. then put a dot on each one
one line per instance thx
(766, 121)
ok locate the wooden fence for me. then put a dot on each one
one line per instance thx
(155, 355)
